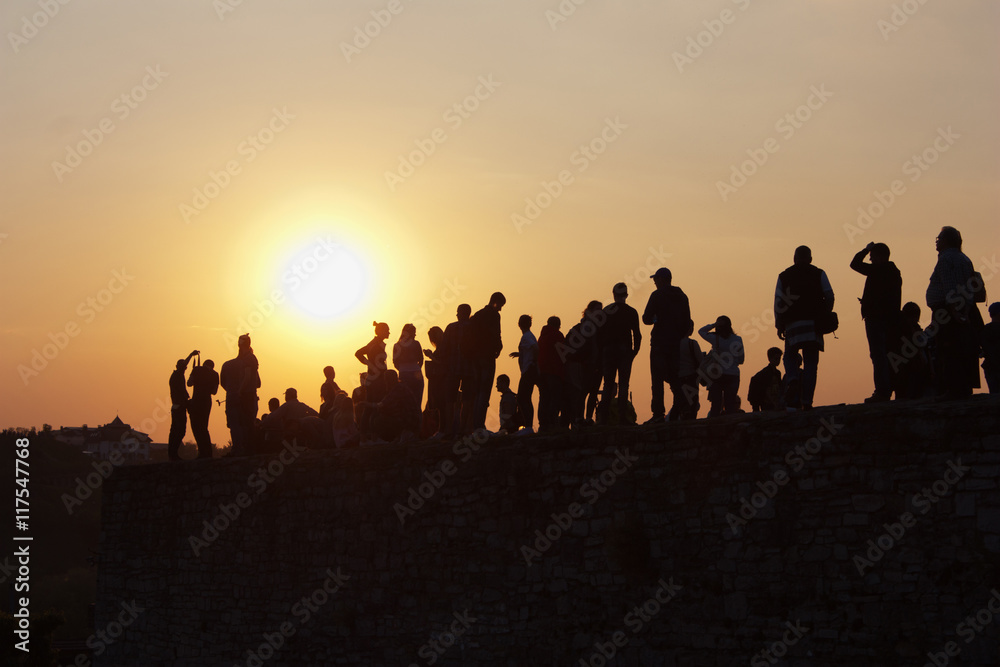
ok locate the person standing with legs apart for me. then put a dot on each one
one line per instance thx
(802, 297)
(669, 312)
(619, 340)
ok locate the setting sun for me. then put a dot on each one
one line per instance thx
(323, 278)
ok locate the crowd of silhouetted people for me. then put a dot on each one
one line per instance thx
(583, 377)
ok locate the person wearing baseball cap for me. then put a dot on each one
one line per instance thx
(669, 312)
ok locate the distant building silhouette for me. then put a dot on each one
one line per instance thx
(116, 437)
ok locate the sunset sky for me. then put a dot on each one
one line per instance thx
(177, 173)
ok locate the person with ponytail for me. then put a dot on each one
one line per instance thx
(373, 355)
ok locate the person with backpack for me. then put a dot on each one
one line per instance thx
(803, 312)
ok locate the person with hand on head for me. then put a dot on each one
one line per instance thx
(727, 355)
(204, 382)
(880, 305)
(178, 408)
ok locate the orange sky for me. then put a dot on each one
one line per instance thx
(170, 165)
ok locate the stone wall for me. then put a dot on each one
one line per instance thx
(841, 536)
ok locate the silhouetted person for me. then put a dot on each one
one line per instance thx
(345, 429)
(272, 427)
(303, 423)
(178, 408)
(373, 355)
(619, 340)
(582, 357)
(991, 349)
(459, 394)
(802, 296)
(764, 391)
(727, 355)
(689, 356)
(240, 377)
(669, 313)
(486, 345)
(593, 364)
(328, 391)
(626, 418)
(910, 357)
(204, 382)
(880, 304)
(397, 415)
(408, 360)
(293, 408)
(527, 361)
(950, 298)
(508, 405)
(552, 374)
(436, 370)
(358, 399)
(791, 384)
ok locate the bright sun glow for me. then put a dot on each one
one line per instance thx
(323, 278)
